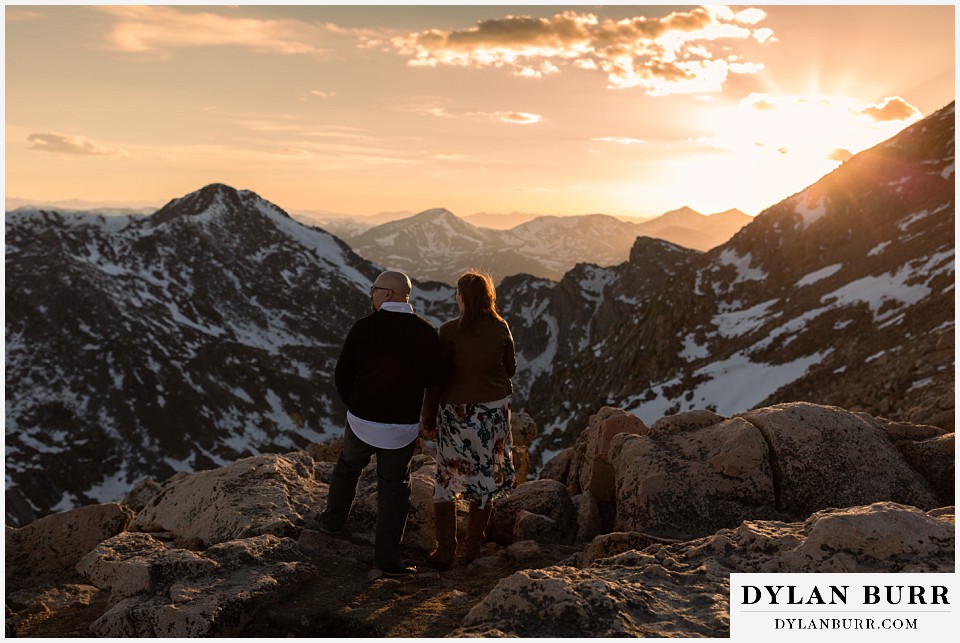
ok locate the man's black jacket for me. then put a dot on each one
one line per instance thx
(387, 360)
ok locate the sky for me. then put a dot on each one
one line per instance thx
(628, 110)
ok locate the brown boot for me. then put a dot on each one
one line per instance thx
(445, 516)
(476, 531)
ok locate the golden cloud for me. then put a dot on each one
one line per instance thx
(619, 140)
(520, 118)
(840, 154)
(64, 144)
(156, 29)
(514, 117)
(663, 55)
(892, 109)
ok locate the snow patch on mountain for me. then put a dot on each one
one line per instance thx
(888, 293)
(735, 322)
(819, 275)
(743, 265)
(729, 386)
(810, 210)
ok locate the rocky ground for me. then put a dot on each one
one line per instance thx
(634, 531)
(346, 599)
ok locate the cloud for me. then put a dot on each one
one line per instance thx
(892, 109)
(677, 53)
(513, 117)
(520, 118)
(63, 144)
(155, 29)
(620, 140)
(840, 154)
(16, 14)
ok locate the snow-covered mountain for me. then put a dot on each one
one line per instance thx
(438, 245)
(431, 245)
(144, 345)
(841, 294)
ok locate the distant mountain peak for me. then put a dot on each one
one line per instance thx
(434, 213)
(685, 213)
(212, 198)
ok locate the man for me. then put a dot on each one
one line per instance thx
(388, 358)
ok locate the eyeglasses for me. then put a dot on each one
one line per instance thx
(372, 288)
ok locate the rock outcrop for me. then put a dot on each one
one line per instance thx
(268, 494)
(693, 473)
(159, 591)
(681, 589)
(54, 544)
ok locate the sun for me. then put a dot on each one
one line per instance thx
(754, 153)
(810, 127)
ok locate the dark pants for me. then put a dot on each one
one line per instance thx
(393, 493)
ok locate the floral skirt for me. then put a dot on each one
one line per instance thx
(474, 446)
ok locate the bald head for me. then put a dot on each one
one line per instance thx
(390, 286)
(396, 281)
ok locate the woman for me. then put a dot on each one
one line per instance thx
(473, 437)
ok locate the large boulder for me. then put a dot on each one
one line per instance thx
(690, 482)
(689, 476)
(54, 544)
(267, 494)
(824, 456)
(660, 589)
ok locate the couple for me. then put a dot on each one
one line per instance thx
(400, 378)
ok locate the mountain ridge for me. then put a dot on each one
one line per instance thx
(550, 244)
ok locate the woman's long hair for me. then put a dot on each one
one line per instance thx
(479, 299)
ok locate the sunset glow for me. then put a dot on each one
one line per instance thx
(620, 109)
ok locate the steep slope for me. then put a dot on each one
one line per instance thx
(842, 294)
(141, 346)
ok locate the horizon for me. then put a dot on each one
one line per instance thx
(76, 205)
(625, 110)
